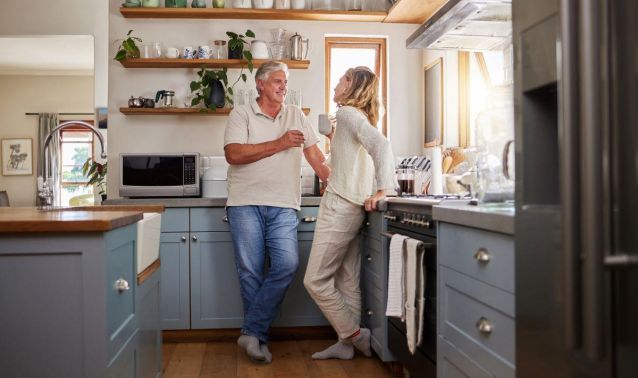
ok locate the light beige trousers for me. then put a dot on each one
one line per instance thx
(332, 275)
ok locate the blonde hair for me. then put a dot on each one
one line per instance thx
(363, 93)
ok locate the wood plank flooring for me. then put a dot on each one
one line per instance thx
(291, 359)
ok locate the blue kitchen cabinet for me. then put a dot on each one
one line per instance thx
(149, 335)
(73, 304)
(215, 296)
(175, 270)
(374, 283)
(298, 309)
(476, 302)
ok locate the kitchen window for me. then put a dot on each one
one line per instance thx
(479, 74)
(343, 53)
(76, 147)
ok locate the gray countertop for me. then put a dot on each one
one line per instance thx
(191, 202)
(491, 218)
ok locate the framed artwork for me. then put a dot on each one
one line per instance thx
(17, 156)
(433, 97)
(101, 114)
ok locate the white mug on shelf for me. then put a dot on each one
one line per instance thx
(172, 52)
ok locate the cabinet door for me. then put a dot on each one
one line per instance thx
(298, 309)
(174, 290)
(215, 296)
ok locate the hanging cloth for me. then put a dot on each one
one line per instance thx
(46, 123)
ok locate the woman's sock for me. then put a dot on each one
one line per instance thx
(362, 341)
(340, 350)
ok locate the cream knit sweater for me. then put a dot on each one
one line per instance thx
(359, 156)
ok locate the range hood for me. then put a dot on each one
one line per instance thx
(475, 25)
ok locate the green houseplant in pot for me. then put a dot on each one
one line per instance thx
(236, 46)
(128, 48)
(96, 173)
(211, 89)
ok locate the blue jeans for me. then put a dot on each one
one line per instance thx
(257, 231)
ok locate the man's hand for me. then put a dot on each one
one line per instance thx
(371, 202)
(292, 138)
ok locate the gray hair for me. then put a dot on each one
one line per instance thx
(269, 67)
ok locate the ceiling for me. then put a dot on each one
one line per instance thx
(46, 55)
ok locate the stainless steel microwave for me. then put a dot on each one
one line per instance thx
(159, 175)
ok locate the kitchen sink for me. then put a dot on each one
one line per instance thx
(148, 232)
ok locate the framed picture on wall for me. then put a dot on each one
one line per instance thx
(101, 115)
(433, 98)
(17, 156)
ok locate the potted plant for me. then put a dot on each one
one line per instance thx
(128, 48)
(211, 89)
(236, 46)
(96, 173)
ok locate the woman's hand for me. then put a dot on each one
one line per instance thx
(370, 203)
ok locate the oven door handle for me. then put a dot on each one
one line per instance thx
(421, 243)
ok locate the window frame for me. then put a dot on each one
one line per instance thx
(380, 45)
(69, 130)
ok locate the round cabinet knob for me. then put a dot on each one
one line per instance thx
(369, 258)
(121, 285)
(183, 239)
(369, 312)
(225, 218)
(482, 256)
(309, 219)
(194, 238)
(484, 326)
(367, 224)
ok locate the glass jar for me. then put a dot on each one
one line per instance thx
(405, 177)
(175, 3)
(494, 131)
(150, 3)
(219, 50)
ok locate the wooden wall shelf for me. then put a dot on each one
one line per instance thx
(254, 14)
(181, 111)
(208, 63)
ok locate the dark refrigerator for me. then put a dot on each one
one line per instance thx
(576, 93)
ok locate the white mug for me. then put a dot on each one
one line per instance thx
(172, 53)
(325, 126)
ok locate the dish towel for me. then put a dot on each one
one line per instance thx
(414, 284)
(396, 293)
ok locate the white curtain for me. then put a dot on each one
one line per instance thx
(48, 121)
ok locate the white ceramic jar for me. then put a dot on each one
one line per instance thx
(262, 4)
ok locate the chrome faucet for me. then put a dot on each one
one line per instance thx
(46, 190)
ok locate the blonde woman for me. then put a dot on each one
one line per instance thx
(360, 156)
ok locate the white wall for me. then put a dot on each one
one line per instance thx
(63, 17)
(25, 94)
(204, 134)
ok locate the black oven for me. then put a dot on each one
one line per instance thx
(416, 222)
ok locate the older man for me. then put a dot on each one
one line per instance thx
(263, 143)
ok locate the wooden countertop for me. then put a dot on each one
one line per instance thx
(77, 219)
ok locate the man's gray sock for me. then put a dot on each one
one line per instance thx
(266, 352)
(251, 345)
(340, 350)
(362, 342)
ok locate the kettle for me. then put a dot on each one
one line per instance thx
(298, 45)
(165, 98)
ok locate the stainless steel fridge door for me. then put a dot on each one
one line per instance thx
(623, 261)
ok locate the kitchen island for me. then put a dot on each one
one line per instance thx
(73, 304)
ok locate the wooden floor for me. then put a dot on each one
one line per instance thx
(225, 359)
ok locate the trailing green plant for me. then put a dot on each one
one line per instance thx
(202, 87)
(96, 173)
(128, 48)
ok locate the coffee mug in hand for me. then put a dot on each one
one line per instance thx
(325, 125)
